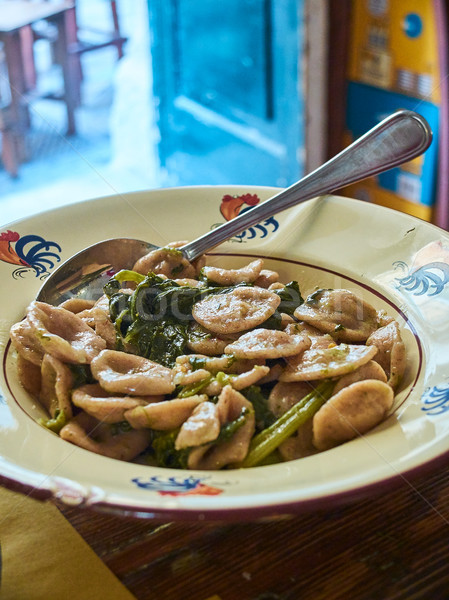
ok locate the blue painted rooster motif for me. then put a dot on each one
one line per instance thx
(29, 253)
(436, 400)
(429, 273)
(174, 486)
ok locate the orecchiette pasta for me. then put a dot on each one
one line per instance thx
(201, 367)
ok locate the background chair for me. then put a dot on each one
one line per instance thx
(83, 38)
(92, 38)
(69, 39)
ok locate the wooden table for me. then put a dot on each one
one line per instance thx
(15, 17)
(391, 547)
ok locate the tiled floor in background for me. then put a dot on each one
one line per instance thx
(113, 150)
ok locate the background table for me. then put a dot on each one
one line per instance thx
(394, 546)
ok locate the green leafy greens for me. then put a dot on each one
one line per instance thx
(155, 318)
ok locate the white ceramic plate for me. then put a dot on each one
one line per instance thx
(393, 260)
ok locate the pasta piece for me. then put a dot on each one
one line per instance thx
(276, 285)
(88, 433)
(370, 370)
(123, 373)
(56, 385)
(26, 342)
(328, 362)
(189, 377)
(352, 412)
(229, 407)
(284, 395)
(202, 341)
(247, 274)
(93, 399)
(77, 305)
(103, 326)
(165, 415)
(198, 263)
(29, 376)
(244, 380)
(189, 282)
(266, 278)
(339, 312)
(273, 375)
(240, 309)
(267, 343)
(201, 427)
(391, 351)
(165, 261)
(63, 334)
(300, 444)
(312, 332)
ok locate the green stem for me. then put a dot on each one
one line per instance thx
(128, 275)
(193, 389)
(272, 437)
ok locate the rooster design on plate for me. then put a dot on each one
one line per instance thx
(233, 206)
(436, 400)
(429, 272)
(177, 486)
(428, 276)
(28, 253)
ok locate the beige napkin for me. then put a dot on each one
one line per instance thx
(44, 557)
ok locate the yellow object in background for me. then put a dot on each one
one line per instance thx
(394, 64)
(394, 46)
